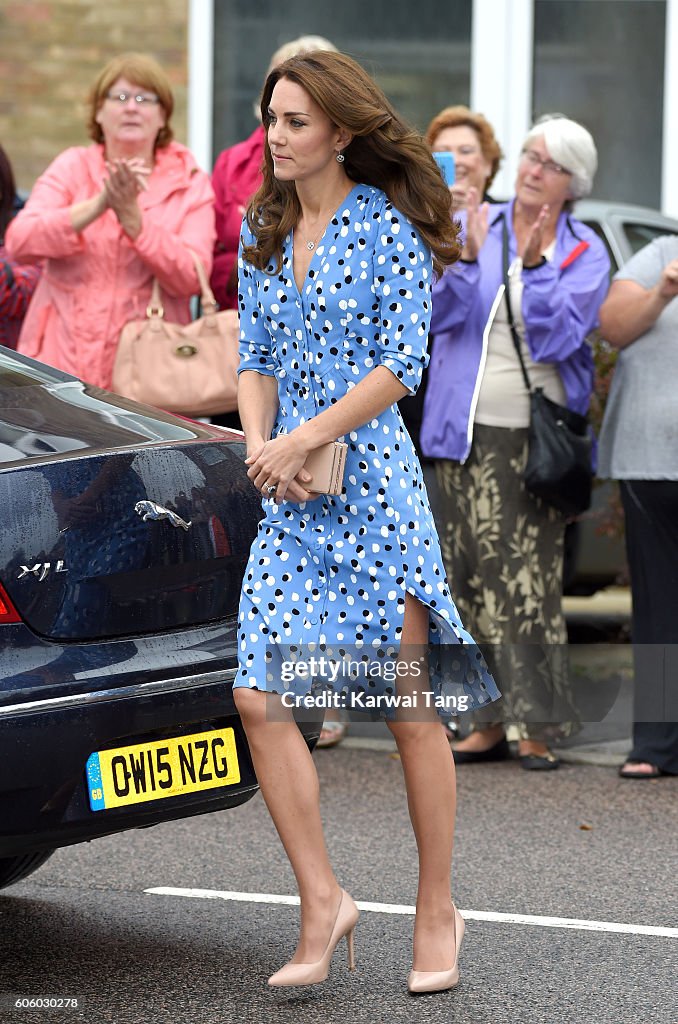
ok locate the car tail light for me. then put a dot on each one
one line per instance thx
(8, 612)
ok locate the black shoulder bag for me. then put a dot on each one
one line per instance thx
(558, 468)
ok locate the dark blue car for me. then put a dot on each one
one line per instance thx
(125, 532)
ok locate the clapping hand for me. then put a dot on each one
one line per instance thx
(126, 179)
(128, 173)
(477, 223)
(532, 251)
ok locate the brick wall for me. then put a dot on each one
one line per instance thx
(51, 52)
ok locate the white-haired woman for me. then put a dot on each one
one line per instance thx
(503, 548)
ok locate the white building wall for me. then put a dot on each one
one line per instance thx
(200, 80)
(670, 149)
(501, 77)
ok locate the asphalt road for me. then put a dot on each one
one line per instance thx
(84, 926)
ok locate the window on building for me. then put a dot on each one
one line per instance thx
(601, 62)
(420, 54)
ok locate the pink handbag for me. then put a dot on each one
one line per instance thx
(326, 465)
(189, 369)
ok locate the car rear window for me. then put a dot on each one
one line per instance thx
(639, 235)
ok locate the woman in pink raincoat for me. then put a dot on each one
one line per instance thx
(107, 219)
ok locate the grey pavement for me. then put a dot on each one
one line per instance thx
(575, 844)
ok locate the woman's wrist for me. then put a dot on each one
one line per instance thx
(88, 210)
(533, 264)
(659, 299)
(253, 442)
(307, 437)
(130, 222)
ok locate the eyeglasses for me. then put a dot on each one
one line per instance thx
(547, 166)
(140, 98)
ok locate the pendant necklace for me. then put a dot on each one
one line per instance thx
(311, 243)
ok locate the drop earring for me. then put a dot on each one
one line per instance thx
(340, 158)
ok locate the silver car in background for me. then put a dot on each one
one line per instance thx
(624, 229)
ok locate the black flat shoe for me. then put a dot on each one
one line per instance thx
(539, 762)
(499, 752)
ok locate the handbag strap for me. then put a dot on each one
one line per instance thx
(206, 294)
(507, 294)
(207, 301)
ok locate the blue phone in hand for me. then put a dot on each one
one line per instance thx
(446, 163)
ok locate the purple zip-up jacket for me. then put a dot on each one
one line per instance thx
(561, 299)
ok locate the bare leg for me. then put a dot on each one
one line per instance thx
(289, 784)
(431, 797)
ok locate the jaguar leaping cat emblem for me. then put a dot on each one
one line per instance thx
(149, 510)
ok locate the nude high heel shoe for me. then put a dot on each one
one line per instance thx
(312, 974)
(438, 981)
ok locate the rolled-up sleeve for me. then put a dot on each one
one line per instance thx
(255, 341)
(402, 282)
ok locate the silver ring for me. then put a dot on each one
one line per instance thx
(272, 488)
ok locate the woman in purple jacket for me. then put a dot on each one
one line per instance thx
(503, 548)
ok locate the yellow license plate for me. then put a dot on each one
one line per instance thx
(164, 768)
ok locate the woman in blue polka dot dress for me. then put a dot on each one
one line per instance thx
(337, 256)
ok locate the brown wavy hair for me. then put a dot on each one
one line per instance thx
(384, 151)
(460, 116)
(139, 69)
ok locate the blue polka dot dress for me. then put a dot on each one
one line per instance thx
(332, 573)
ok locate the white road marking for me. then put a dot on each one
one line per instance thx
(401, 908)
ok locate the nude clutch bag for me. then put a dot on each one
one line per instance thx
(326, 465)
